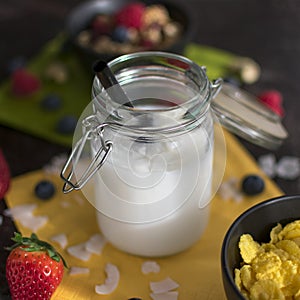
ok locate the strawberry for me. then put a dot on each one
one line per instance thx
(4, 175)
(33, 268)
(24, 83)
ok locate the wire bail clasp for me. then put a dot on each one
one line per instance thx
(96, 163)
(216, 87)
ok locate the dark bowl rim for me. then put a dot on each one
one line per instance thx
(252, 209)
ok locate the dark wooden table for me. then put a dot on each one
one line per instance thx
(267, 31)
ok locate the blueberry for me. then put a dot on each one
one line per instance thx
(44, 189)
(120, 34)
(67, 124)
(252, 185)
(51, 102)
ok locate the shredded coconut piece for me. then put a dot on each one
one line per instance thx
(79, 251)
(163, 286)
(61, 239)
(165, 296)
(288, 167)
(95, 244)
(55, 164)
(79, 271)
(20, 210)
(150, 267)
(111, 281)
(33, 222)
(267, 163)
(23, 214)
(229, 190)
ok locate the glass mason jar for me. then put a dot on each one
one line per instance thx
(153, 191)
(150, 178)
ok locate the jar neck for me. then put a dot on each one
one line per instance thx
(166, 91)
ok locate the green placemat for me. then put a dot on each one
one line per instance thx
(26, 114)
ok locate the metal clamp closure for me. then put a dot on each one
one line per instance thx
(93, 167)
(216, 87)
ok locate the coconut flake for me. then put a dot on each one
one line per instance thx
(23, 214)
(55, 164)
(78, 271)
(19, 211)
(163, 286)
(111, 281)
(150, 267)
(61, 239)
(267, 163)
(165, 296)
(95, 244)
(229, 189)
(79, 251)
(33, 222)
(288, 167)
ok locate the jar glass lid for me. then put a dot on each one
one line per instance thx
(243, 114)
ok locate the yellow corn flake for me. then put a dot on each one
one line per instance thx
(266, 290)
(247, 276)
(267, 247)
(248, 248)
(246, 294)
(296, 240)
(291, 279)
(274, 233)
(239, 284)
(293, 234)
(288, 272)
(267, 266)
(283, 255)
(271, 270)
(237, 279)
(290, 231)
(290, 247)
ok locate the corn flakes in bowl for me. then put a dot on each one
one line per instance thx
(260, 257)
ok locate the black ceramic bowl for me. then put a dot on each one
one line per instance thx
(81, 16)
(257, 221)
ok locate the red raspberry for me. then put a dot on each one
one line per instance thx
(24, 83)
(273, 100)
(4, 175)
(131, 15)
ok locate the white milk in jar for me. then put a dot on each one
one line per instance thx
(152, 193)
